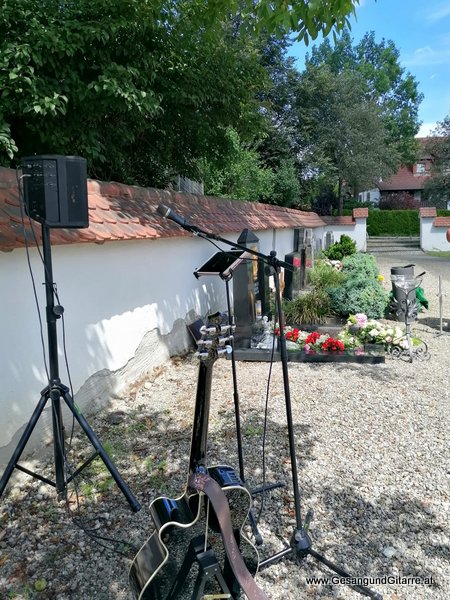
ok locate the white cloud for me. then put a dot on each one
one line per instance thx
(426, 129)
(440, 13)
(427, 56)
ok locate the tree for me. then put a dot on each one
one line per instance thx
(386, 83)
(239, 175)
(141, 88)
(342, 132)
(139, 96)
(437, 188)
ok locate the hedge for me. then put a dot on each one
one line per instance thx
(393, 223)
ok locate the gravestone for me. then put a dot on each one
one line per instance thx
(250, 292)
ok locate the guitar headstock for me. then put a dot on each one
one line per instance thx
(216, 338)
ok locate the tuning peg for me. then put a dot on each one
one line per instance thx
(226, 350)
(204, 343)
(217, 329)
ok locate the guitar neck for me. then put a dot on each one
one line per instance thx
(197, 457)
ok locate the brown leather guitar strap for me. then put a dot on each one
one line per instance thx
(201, 482)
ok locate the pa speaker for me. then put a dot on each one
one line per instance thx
(55, 190)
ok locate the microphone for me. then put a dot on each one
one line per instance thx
(168, 213)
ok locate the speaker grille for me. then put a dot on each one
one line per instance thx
(55, 190)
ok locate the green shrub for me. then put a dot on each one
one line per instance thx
(345, 247)
(324, 276)
(359, 294)
(360, 264)
(312, 307)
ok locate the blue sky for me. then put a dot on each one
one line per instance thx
(420, 30)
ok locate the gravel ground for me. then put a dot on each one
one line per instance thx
(372, 446)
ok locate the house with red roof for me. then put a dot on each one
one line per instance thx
(409, 179)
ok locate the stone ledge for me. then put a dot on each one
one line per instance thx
(370, 356)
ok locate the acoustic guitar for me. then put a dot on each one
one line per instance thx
(198, 548)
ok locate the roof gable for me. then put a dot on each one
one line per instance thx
(403, 180)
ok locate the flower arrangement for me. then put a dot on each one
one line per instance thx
(332, 345)
(359, 331)
(371, 331)
(312, 342)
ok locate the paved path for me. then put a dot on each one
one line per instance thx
(434, 266)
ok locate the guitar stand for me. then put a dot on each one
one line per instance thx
(55, 391)
(218, 266)
(209, 568)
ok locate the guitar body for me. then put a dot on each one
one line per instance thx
(165, 568)
(194, 550)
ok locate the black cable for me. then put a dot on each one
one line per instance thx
(98, 539)
(30, 269)
(266, 411)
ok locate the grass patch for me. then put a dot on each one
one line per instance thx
(442, 253)
(157, 470)
(253, 430)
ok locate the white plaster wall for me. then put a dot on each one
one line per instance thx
(121, 301)
(432, 238)
(357, 232)
(372, 195)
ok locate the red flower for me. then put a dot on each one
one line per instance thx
(333, 345)
(312, 338)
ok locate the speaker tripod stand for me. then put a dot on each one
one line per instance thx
(55, 392)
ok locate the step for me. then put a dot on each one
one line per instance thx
(393, 244)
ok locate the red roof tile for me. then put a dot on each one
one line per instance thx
(427, 211)
(122, 212)
(441, 222)
(359, 213)
(403, 180)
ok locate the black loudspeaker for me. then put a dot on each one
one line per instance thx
(55, 190)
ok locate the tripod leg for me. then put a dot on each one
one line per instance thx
(102, 453)
(23, 440)
(58, 442)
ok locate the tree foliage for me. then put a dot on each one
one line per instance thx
(240, 174)
(437, 188)
(138, 88)
(343, 134)
(142, 88)
(386, 83)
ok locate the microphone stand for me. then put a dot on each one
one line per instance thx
(300, 544)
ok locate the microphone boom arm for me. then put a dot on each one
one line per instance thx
(270, 258)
